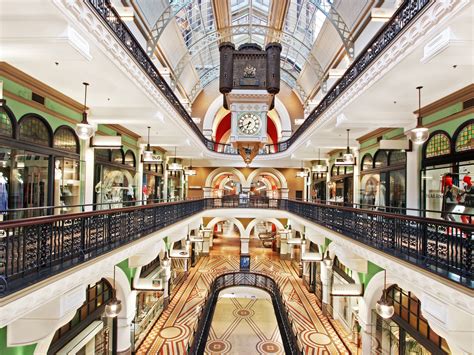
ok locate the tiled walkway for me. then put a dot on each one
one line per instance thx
(173, 330)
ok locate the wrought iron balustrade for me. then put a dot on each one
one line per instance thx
(242, 278)
(403, 17)
(34, 249)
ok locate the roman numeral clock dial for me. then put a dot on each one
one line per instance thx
(249, 124)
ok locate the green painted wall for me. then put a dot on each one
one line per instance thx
(367, 146)
(130, 272)
(16, 350)
(372, 269)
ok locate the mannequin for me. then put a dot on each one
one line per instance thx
(3, 194)
(448, 198)
(466, 197)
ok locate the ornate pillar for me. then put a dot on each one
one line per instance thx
(284, 193)
(413, 179)
(244, 245)
(124, 344)
(165, 179)
(356, 179)
(326, 280)
(207, 192)
(87, 171)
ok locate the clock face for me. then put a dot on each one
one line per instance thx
(249, 124)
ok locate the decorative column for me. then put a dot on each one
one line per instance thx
(244, 245)
(413, 179)
(124, 344)
(326, 280)
(206, 244)
(207, 192)
(284, 193)
(165, 178)
(139, 176)
(87, 174)
(356, 179)
(283, 243)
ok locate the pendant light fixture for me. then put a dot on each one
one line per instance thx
(114, 306)
(166, 262)
(319, 168)
(174, 166)
(190, 171)
(419, 134)
(347, 158)
(84, 130)
(148, 153)
(302, 173)
(327, 260)
(384, 306)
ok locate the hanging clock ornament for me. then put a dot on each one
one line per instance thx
(249, 80)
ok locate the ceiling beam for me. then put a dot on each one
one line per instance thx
(221, 13)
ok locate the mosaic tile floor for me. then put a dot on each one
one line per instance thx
(173, 330)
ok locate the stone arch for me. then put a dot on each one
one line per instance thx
(254, 222)
(279, 177)
(124, 294)
(220, 171)
(239, 224)
(283, 126)
(373, 292)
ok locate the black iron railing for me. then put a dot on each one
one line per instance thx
(404, 16)
(242, 278)
(34, 249)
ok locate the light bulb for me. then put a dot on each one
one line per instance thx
(147, 155)
(84, 130)
(384, 308)
(113, 308)
(419, 135)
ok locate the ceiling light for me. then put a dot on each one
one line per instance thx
(302, 173)
(148, 155)
(84, 130)
(190, 171)
(347, 158)
(114, 306)
(419, 134)
(175, 166)
(384, 306)
(319, 168)
(327, 260)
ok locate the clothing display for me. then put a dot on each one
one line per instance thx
(3, 193)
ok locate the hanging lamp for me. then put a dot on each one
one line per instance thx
(114, 306)
(190, 171)
(384, 306)
(302, 173)
(85, 130)
(148, 153)
(419, 134)
(175, 166)
(347, 158)
(319, 168)
(327, 260)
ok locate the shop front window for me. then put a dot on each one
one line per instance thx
(67, 185)
(115, 188)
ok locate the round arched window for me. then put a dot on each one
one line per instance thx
(465, 138)
(6, 123)
(130, 159)
(380, 159)
(65, 139)
(35, 130)
(117, 156)
(438, 145)
(367, 162)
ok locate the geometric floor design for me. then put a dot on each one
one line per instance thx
(244, 326)
(173, 331)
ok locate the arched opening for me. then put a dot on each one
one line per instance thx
(223, 182)
(265, 185)
(407, 331)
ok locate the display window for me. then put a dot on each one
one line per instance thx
(115, 185)
(340, 186)
(447, 175)
(152, 182)
(383, 181)
(37, 168)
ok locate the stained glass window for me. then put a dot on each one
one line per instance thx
(381, 159)
(6, 128)
(465, 139)
(438, 145)
(34, 130)
(117, 156)
(130, 159)
(367, 162)
(66, 139)
(398, 157)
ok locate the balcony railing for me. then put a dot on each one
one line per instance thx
(244, 279)
(34, 249)
(404, 16)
